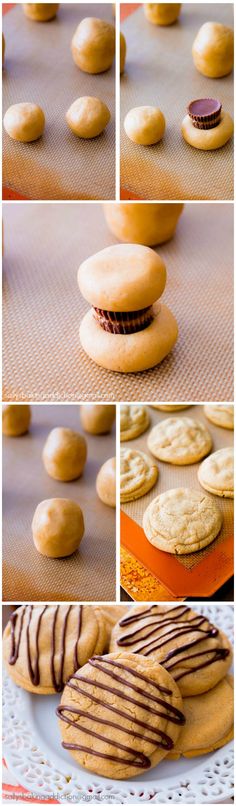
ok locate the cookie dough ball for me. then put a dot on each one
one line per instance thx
(122, 52)
(3, 49)
(58, 527)
(162, 13)
(15, 419)
(145, 125)
(213, 50)
(97, 419)
(208, 139)
(147, 224)
(87, 117)
(106, 483)
(40, 12)
(64, 454)
(24, 122)
(93, 45)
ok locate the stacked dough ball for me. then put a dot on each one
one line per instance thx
(93, 51)
(58, 523)
(181, 705)
(181, 520)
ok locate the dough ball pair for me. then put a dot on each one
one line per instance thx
(93, 45)
(87, 117)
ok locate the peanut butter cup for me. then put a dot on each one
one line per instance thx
(123, 321)
(205, 113)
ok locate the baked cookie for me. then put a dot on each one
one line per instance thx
(145, 125)
(43, 645)
(221, 414)
(170, 406)
(195, 652)
(57, 527)
(87, 117)
(179, 440)
(181, 521)
(134, 420)
(111, 614)
(125, 330)
(15, 419)
(64, 454)
(106, 482)
(120, 715)
(216, 473)
(97, 418)
(147, 224)
(209, 721)
(138, 474)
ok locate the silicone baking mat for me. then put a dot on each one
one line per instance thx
(160, 72)
(89, 574)
(43, 308)
(196, 574)
(39, 68)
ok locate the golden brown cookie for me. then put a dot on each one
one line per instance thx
(221, 414)
(43, 645)
(209, 721)
(138, 474)
(179, 440)
(181, 521)
(193, 650)
(134, 420)
(216, 473)
(120, 715)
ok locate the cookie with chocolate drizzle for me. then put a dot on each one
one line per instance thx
(120, 715)
(192, 650)
(43, 645)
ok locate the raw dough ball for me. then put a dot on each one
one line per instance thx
(87, 117)
(41, 12)
(147, 224)
(97, 419)
(145, 125)
(213, 50)
(162, 13)
(64, 454)
(24, 122)
(93, 45)
(106, 483)
(58, 527)
(208, 139)
(122, 52)
(15, 419)
(3, 49)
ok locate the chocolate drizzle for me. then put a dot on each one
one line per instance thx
(34, 672)
(146, 637)
(124, 322)
(162, 709)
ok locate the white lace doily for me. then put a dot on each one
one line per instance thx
(33, 752)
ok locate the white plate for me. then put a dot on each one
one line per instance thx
(32, 749)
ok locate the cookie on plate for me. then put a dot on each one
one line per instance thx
(134, 420)
(138, 474)
(179, 440)
(120, 715)
(181, 521)
(216, 473)
(209, 721)
(221, 414)
(43, 645)
(195, 652)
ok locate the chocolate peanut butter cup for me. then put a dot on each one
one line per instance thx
(123, 322)
(205, 113)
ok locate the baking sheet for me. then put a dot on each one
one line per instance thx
(89, 574)
(39, 68)
(171, 476)
(43, 308)
(160, 72)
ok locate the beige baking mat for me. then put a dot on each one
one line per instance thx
(89, 574)
(160, 72)
(171, 476)
(39, 68)
(42, 307)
